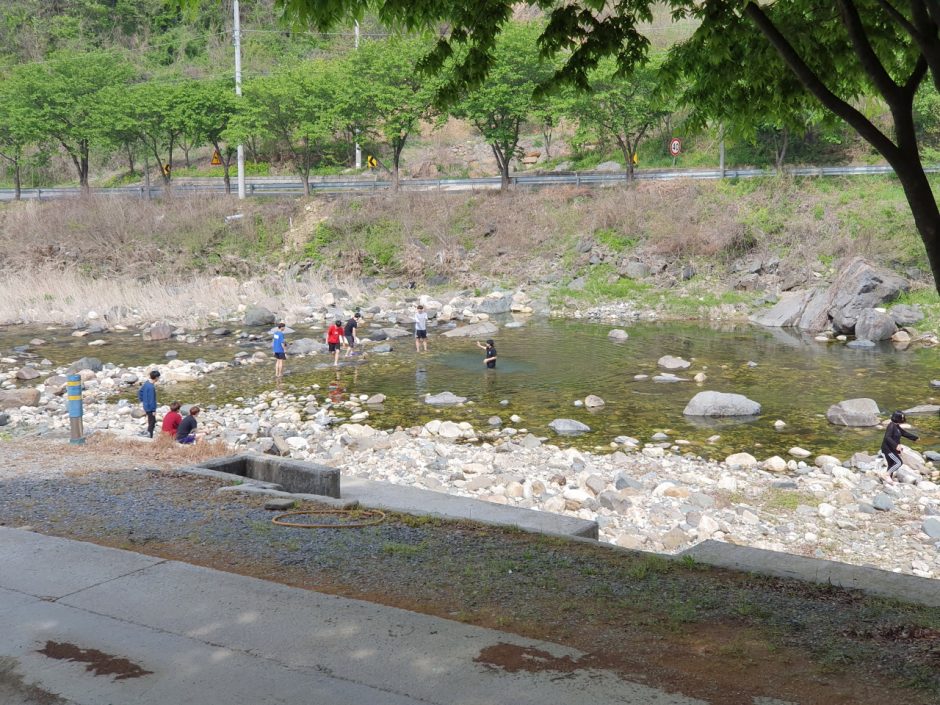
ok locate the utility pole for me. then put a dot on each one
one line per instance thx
(358, 149)
(237, 36)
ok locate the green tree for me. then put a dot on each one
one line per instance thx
(621, 108)
(499, 106)
(295, 107)
(208, 112)
(745, 55)
(383, 79)
(65, 96)
(20, 126)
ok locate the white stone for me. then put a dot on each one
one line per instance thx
(743, 460)
(798, 452)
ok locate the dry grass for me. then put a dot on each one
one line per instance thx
(108, 236)
(163, 450)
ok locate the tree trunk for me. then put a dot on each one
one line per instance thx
(83, 166)
(925, 211)
(186, 149)
(226, 163)
(17, 182)
(147, 174)
(627, 153)
(130, 157)
(397, 147)
(780, 149)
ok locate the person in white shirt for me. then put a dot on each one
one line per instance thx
(421, 329)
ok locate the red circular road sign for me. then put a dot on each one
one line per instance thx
(675, 146)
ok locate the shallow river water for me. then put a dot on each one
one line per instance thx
(545, 365)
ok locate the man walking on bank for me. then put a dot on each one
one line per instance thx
(147, 394)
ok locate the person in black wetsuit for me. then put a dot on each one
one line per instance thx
(891, 445)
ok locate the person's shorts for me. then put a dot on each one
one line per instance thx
(334, 347)
(280, 356)
(191, 438)
(421, 334)
(351, 342)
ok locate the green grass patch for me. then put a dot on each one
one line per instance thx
(393, 548)
(787, 500)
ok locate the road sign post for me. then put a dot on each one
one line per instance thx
(675, 148)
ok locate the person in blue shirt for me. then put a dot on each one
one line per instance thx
(279, 349)
(147, 394)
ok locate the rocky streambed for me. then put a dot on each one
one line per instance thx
(648, 493)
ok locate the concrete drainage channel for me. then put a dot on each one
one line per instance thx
(291, 480)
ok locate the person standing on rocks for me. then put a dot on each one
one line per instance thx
(891, 445)
(334, 336)
(349, 333)
(489, 357)
(147, 395)
(279, 349)
(421, 329)
(171, 422)
(186, 433)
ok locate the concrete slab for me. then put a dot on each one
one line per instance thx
(27, 564)
(410, 500)
(211, 637)
(899, 586)
(181, 671)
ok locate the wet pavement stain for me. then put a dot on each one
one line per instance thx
(99, 663)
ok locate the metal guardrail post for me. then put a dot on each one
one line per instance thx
(76, 427)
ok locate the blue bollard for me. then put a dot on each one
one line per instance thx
(74, 392)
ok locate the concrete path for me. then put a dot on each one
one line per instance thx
(144, 631)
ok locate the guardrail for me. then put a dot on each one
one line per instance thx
(279, 186)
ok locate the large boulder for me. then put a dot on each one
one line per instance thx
(305, 346)
(86, 363)
(567, 427)
(495, 303)
(258, 316)
(15, 398)
(784, 313)
(27, 373)
(476, 330)
(856, 413)
(861, 286)
(160, 331)
(721, 404)
(905, 315)
(874, 325)
(395, 332)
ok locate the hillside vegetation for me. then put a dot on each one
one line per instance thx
(481, 240)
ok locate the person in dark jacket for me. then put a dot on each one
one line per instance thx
(147, 394)
(186, 433)
(891, 445)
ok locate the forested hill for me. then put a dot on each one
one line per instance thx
(156, 34)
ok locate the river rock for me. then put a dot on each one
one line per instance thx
(15, 398)
(858, 287)
(305, 346)
(376, 399)
(258, 316)
(395, 332)
(382, 348)
(931, 527)
(905, 315)
(883, 503)
(774, 464)
(4, 419)
(85, 363)
(855, 413)
(668, 362)
(568, 426)
(860, 344)
(27, 373)
(721, 404)
(160, 331)
(798, 452)
(496, 303)
(923, 409)
(477, 330)
(618, 334)
(635, 270)
(444, 399)
(784, 313)
(742, 460)
(449, 430)
(874, 325)
(592, 401)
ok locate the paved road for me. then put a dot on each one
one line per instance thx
(280, 186)
(98, 626)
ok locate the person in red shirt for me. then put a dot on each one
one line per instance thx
(333, 337)
(172, 420)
